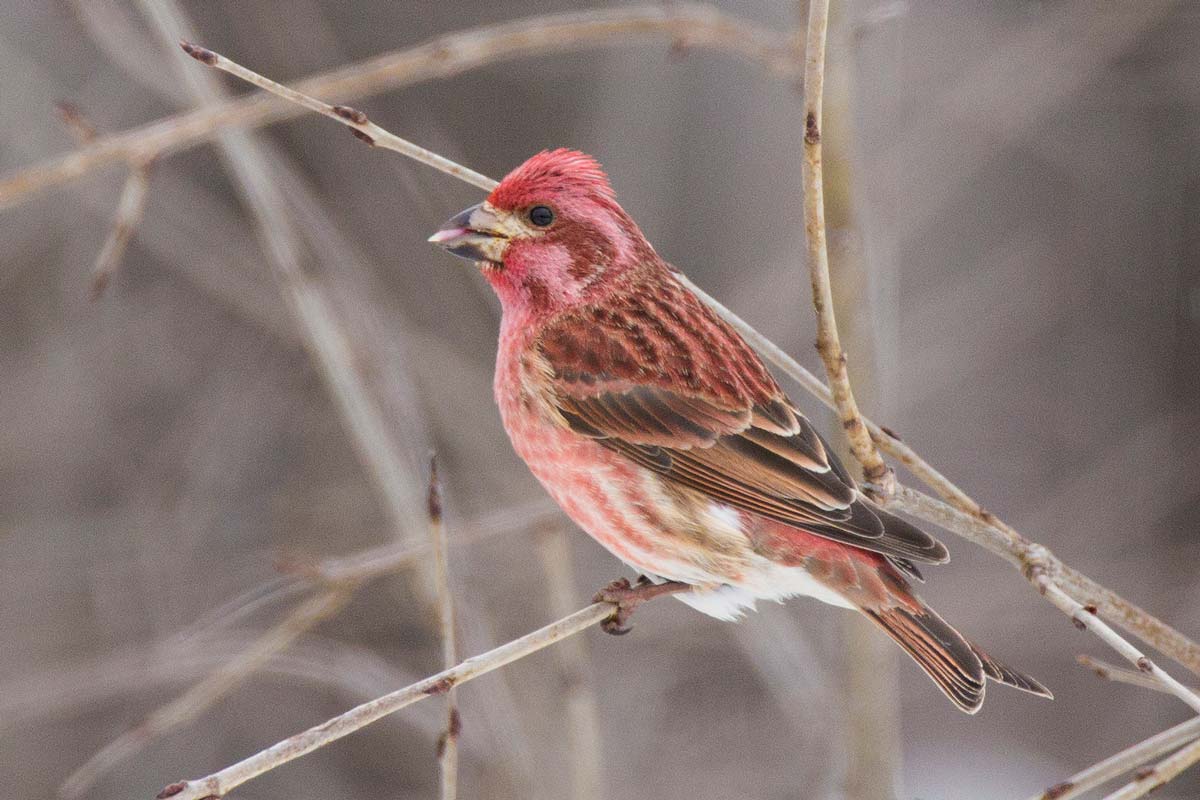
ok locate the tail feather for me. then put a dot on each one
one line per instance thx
(959, 668)
(1002, 673)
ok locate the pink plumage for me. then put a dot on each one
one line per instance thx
(662, 434)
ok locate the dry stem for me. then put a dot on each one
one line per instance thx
(1086, 618)
(1166, 770)
(221, 783)
(879, 476)
(1128, 759)
(448, 742)
(1110, 672)
(693, 26)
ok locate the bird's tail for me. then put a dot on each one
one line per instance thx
(959, 668)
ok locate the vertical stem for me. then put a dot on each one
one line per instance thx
(447, 749)
(876, 472)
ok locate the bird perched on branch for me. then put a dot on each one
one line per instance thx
(662, 434)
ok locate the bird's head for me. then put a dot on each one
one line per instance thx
(549, 235)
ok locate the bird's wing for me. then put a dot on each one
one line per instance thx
(666, 383)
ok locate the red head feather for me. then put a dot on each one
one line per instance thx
(550, 175)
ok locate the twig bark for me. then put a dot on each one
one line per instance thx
(879, 476)
(1086, 618)
(1125, 761)
(696, 26)
(447, 748)
(1116, 674)
(1146, 781)
(221, 783)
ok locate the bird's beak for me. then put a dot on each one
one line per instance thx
(477, 234)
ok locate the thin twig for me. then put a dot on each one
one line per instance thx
(131, 205)
(584, 745)
(221, 783)
(211, 688)
(694, 26)
(879, 476)
(1110, 672)
(1086, 618)
(1146, 781)
(447, 747)
(354, 119)
(130, 208)
(1125, 761)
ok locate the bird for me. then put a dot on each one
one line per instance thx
(661, 433)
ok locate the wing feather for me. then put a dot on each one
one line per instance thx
(731, 434)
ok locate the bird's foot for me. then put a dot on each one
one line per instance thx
(627, 597)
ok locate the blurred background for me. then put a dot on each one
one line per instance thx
(1014, 197)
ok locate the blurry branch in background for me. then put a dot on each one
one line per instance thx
(209, 690)
(325, 335)
(220, 783)
(879, 476)
(131, 205)
(336, 580)
(685, 25)
(584, 745)
(1040, 567)
(447, 747)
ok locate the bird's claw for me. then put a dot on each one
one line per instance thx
(627, 597)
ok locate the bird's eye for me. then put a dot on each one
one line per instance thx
(541, 216)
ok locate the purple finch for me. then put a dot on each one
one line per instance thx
(661, 433)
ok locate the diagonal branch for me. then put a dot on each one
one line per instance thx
(1125, 761)
(1146, 781)
(221, 783)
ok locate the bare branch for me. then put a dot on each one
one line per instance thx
(448, 742)
(1128, 759)
(696, 26)
(1147, 781)
(1086, 618)
(878, 474)
(221, 783)
(1110, 672)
